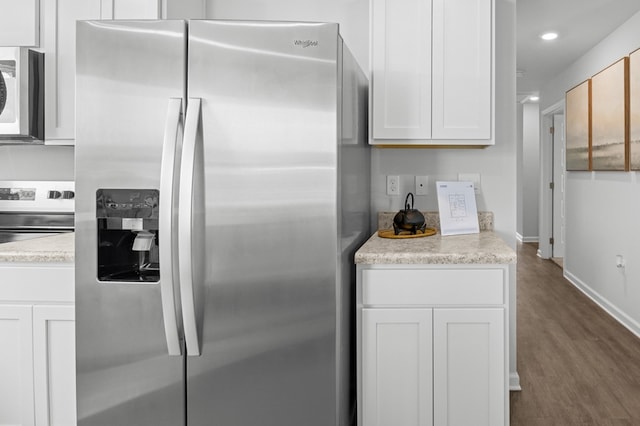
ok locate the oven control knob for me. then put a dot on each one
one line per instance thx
(68, 195)
(54, 194)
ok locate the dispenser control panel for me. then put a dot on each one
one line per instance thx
(130, 203)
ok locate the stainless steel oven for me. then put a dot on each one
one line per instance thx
(34, 209)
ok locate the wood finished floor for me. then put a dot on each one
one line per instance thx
(577, 365)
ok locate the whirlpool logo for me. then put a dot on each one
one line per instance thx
(306, 43)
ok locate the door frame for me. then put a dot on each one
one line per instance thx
(545, 209)
(559, 186)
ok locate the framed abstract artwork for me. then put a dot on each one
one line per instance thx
(634, 110)
(609, 123)
(578, 126)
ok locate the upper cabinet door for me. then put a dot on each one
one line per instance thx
(462, 64)
(401, 69)
(59, 44)
(19, 23)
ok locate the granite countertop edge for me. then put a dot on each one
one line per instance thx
(54, 249)
(485, 247)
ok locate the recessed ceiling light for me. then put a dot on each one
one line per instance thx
(549, 36)
(534, 98)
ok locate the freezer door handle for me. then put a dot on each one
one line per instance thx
(169, 172)
(191, 227)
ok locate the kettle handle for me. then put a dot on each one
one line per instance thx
(406, 202)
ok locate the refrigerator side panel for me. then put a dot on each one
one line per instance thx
(354, 206)
(126, 73)
(269, 124)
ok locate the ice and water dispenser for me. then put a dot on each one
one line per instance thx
(128, 235)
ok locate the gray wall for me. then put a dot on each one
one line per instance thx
(602, 207)
(36, 162)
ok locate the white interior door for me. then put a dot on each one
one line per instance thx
(559, 167)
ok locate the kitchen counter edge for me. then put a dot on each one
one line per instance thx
(483, 248)
(53, 249)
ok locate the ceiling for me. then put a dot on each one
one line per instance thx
(580, 25)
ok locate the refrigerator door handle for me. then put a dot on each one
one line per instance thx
(167, 223)
(190, 226)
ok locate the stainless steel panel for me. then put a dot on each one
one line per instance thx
(126, 73)
(355, 200)
(270, 126)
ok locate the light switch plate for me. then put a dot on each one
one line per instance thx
(422, 185)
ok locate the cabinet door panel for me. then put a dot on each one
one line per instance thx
(397, 367)
(16, 365)
(401, 67)
(54, 365)
(59, 44)
(462, 69)
(469, 367)
(19, 23)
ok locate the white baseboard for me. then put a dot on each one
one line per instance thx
(524, 239)
(620, 316)
(514, 382)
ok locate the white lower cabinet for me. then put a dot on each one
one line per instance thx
(16, 365)
(426, 359)
(469, 367)
(397, 372)
(37, 346)
(54, 368)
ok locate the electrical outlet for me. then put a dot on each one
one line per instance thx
(393, 185)
(422, 185)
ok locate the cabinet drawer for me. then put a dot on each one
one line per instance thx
(37, 282)
(433, 287)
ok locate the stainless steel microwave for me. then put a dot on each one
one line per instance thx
(21, 95)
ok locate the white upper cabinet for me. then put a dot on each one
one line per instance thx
(19, 23)
(432, 72)
(59, 44)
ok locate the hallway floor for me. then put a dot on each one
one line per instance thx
(577, 365)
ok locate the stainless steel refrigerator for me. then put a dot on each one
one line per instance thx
(222, 187)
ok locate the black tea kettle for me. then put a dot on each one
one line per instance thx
(408, 219)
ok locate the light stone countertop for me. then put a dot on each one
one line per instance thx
(485, 247)
(57, 248)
